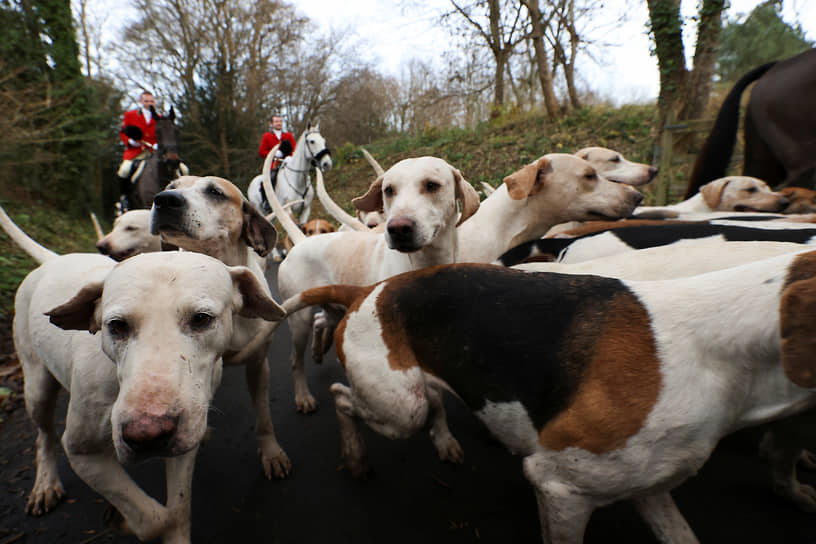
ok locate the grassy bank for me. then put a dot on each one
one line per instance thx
(489, 152)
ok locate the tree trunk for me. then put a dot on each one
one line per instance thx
(700, 79)
(569, 66)
(544, 75)
(667, 33)
(494, 15)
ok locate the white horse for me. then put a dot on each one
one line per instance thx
(293, 181)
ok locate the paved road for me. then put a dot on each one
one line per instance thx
(411, 497)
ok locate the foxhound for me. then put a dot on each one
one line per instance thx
(609, 389)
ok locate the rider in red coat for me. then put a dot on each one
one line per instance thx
(139, 147)
(274, 137)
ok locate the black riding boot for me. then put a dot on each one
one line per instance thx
(124, 190)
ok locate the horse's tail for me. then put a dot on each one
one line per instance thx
(295, 234)
(715, 154)
(26, 243)
(333, 208)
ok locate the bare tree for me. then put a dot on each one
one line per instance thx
(542, 64)
(499, 24)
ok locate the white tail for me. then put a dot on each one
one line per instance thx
(271, 216)
(97, 227)
(374, 164)
(488, 189)
(295, 234)
(26, 243)
(334, 209)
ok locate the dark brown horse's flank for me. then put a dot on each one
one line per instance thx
(780, 122)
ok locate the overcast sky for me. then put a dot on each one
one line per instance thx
(395, 31)
(623, 70)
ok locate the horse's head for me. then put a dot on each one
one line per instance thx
(167, 138)
(317, 153)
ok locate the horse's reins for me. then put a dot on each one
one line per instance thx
(314, 161)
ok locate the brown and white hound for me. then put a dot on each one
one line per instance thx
(609, 389)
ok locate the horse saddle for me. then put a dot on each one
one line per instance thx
(138, 166)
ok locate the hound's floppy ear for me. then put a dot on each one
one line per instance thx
(258, 232)
(529, 180)
(79, 313)
(466, 195)
(712, 192)
(250, 298)
(796, 329)
(372, 201)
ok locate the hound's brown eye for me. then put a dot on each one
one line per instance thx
(118, 327)
(616, 159)
(431, 186)
(216, 193)
(751, 190)
(201, 321)
(388, 191)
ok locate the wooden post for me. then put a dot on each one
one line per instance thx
(664, 174)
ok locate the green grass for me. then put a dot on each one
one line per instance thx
(51, 227)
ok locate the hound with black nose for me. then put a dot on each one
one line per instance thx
(610, 389)
(140, 383)
(210, 215)
(419, 198)
(130, 236)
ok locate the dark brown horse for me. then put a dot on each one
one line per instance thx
(780, 127)
(162, 167)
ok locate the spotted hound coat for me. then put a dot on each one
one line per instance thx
(609, 389)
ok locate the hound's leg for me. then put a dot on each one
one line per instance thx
(446, 445)
(563, 514)
(40, 392)
(179, 472)
(352, 445)
(300, 324)
(325, 321)
(665, 520)
(274, 459)
(783, 448)
(143, 515)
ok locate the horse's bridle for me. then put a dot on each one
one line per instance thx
(314, 162)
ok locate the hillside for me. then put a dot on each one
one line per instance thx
(487, 153)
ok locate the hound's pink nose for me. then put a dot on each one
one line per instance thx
(149, 434)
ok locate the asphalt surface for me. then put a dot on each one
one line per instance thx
(410, 497)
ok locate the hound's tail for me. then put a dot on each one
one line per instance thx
(374, 164)
(295, 234)
(26, 243)
(344, 295)
(97, 227)
(715, 154)
(334, 209)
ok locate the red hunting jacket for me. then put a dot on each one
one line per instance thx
(269, 141)
(135, 117)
